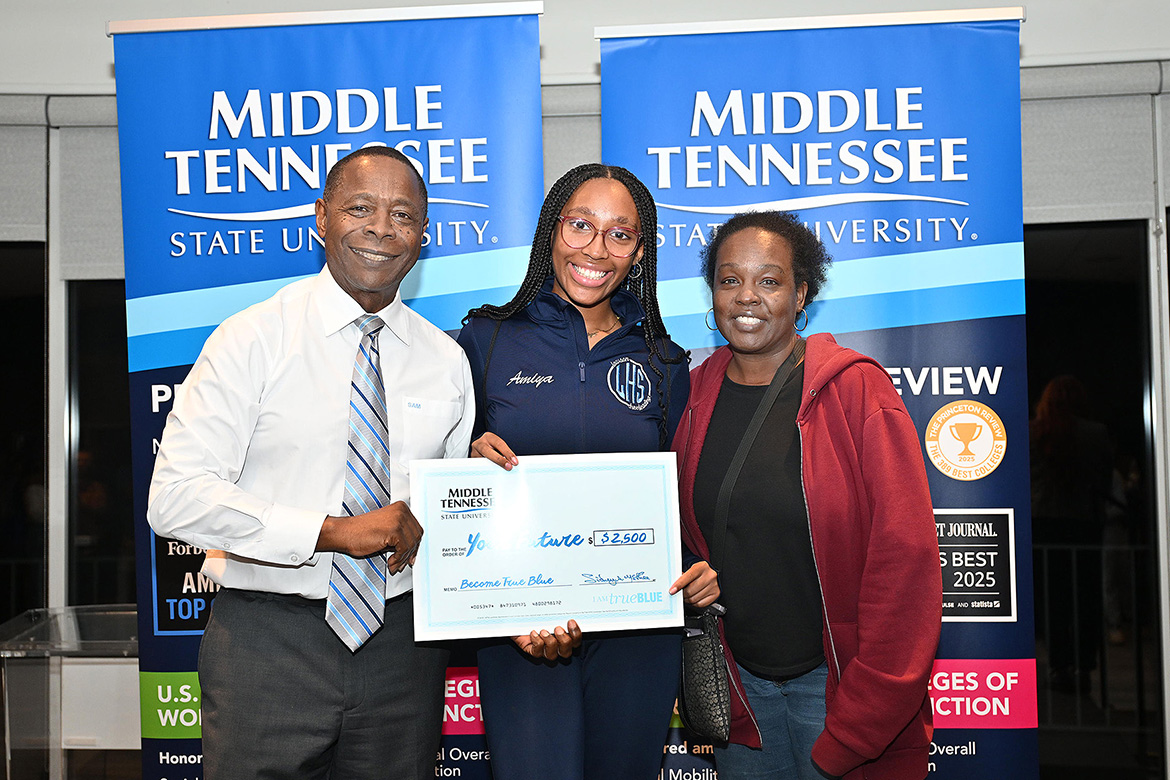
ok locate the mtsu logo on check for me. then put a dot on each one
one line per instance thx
(467, 503)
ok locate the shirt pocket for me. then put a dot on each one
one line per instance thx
(426, 424)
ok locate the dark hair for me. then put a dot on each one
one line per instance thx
(809, 258)
(1056, 456)
(1053, 428)
(372, 151)
(644, 287)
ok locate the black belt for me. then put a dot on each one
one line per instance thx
(295, 600)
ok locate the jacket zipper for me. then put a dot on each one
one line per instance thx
(743, 700)
(581, 398)
(812, 545)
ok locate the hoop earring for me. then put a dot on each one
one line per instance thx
(805, 325)
(709, 326)
(635, 271)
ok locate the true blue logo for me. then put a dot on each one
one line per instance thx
(629, 384)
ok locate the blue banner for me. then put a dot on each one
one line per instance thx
(897, 140)
(226, 136)
(222, 163)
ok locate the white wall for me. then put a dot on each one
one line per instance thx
(60, 46)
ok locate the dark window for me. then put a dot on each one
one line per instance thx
(1098, 636)
(22, 429)
(101, 514)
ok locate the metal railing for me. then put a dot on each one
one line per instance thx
(22, 586)
(1098, 641)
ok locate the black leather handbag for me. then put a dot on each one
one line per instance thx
(704, 698)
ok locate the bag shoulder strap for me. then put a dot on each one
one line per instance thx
(723, 502)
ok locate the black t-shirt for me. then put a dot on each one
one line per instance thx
(768, 577)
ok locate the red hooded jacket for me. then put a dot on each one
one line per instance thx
(876, 553)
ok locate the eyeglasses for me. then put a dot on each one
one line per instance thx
(578, 233)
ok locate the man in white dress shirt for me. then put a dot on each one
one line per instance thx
(253, 467)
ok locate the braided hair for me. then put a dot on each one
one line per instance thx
(644, 286)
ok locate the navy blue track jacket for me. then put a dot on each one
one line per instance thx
(547, 393)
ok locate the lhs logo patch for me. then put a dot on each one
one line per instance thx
(629, 384)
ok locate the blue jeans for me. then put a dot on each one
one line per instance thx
(791, 715)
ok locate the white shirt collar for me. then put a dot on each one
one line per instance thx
(337, 309)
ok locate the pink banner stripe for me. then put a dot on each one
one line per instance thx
(461, 713)
(984, 693)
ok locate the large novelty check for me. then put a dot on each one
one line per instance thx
(589, 537)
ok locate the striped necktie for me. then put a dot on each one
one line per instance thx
(357, 586)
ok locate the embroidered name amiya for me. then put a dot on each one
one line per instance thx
(535, 379)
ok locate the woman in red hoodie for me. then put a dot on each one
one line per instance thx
(802, 482)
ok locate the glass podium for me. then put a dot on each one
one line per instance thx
(69, 681)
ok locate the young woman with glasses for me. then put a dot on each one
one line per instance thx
(579, 361)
